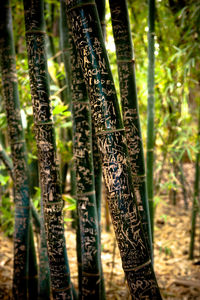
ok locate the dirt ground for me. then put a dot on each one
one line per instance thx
(178, 277)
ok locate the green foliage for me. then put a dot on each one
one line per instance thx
(7, 215)
(37, 198)
(70, 201)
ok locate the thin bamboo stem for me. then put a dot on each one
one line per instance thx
(150, 111)
(195, 205)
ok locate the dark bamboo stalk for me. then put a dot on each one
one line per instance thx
(196, 204)
(150, 111)
(101, 8)
(44, 273)
(33, 269)
(128, 92)
(96, 155)
(45, 138)
(18, 153)
(85, 184)
(111, 141)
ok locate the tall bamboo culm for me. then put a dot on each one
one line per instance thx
(88, 232)
(196, 197)
(128, 92)
(150, 111)
(111, 141)
(45, 138)
(18, 153)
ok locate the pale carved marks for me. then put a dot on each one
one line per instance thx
(20, 250)
(16, 139)
(110, 136)
(48, 164)
(34, 15)
(89, 245)
(94, 65)
(85, 194)
(56, 245)
(38, 77)
(126, 220)
(82, 147)
(121, 30)
(130, 117)
(89, 232)
(143, 286)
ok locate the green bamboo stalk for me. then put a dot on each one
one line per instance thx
(45, 138)
(150, 111)
(195, 204)
(18, 153)
(85, 184)
(111, 141)
(128, 92)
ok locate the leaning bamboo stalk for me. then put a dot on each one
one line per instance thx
(128, 92)
(111, 141)
(18, 153)
(45, 138)
(150, 111)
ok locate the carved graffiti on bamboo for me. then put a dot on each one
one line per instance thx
(115, 170)
(99, 90)
(37, 71)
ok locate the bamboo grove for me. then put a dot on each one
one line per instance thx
(101, 135)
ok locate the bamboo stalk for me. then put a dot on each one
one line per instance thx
(18, 153)
(128, 92)
(195, 204)
(150, 111)
(45, 138)
(85, 184)
(111, 141)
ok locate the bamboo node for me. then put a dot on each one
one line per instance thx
(130, 60)
(138, 267)
(35, 31)
(85, 194)
(80, 5)
(109, 131)
(90, 274)
(17, 142)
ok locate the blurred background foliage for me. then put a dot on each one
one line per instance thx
(177, 91)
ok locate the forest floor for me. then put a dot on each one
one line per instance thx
(178, 277)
